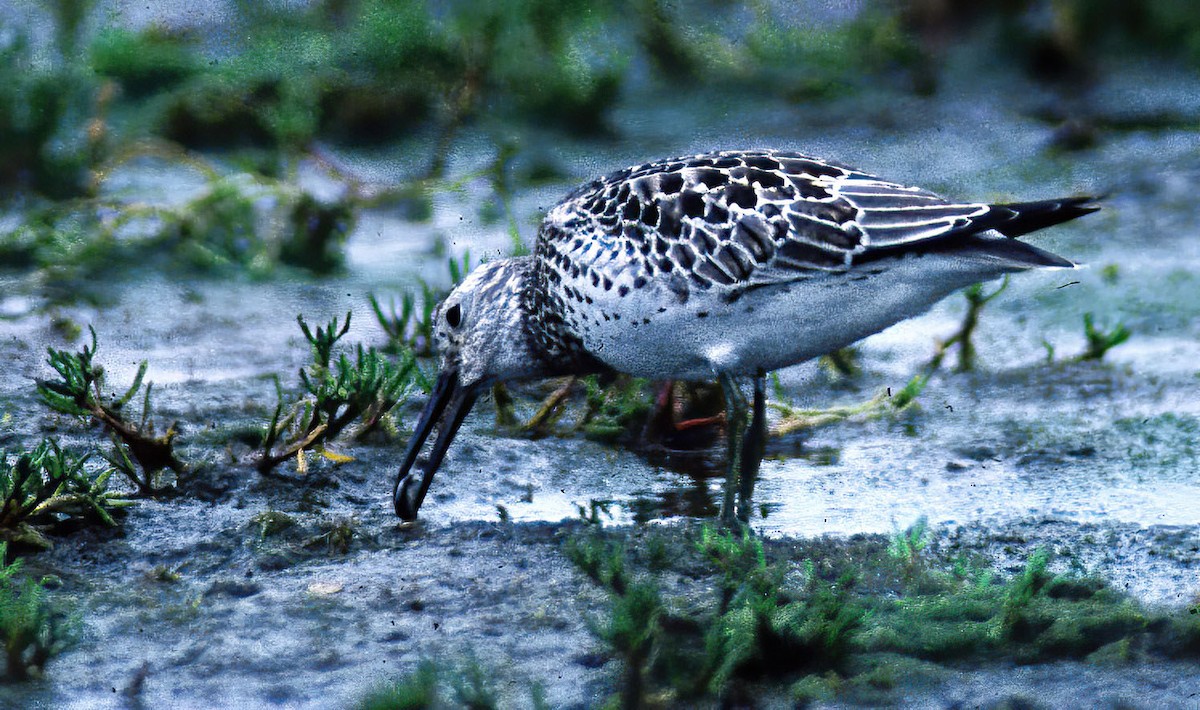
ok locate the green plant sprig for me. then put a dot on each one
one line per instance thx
(1099, 342)
(32, 629)
(976, 300)
(78, 392)
(885, 403)
(337, 393)
(410, 327)
(47, 483)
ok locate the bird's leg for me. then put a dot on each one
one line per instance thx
(753, 446)
(735, 414)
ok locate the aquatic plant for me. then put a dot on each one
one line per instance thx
(1021, 591)
(615, 408)
(976, 300)
(835, 59)
(78, 392)
(409, 327)
(235, 224)
(337, 393)
(152, 60)
(632, 629)
(338, 536)
(48, 487)
(846, 625)
(842, 362)
(416, 691)
(1034, 617)
(470, 684)
(908, 544)
(272, 522)
(759, 625)
(32, 628)
(244, 223)
(52, 125)
(885, 403)
(1099, 342)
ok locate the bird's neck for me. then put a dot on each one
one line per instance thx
(558, 350)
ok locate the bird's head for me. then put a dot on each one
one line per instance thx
(482, 331)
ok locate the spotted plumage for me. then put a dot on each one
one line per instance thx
(721, 265)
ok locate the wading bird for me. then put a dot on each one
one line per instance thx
(718, 266)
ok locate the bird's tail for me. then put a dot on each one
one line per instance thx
(1017, 219)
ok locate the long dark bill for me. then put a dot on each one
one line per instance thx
(453, 400)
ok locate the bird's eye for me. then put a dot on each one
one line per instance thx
(454, 315)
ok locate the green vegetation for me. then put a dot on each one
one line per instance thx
(237, 223)
(79, 392)
(52, 130)
(272, 522)
(1035, 617)
(976, 300)
(1099, 342)
(417, 691)
(469, 683)
(49, 488)
(842, 363)
(337, 393)
(884, 404)
(755, 618)
(371, 71)
(32, 628)
(616, 410)
(758, 627)
(836, 59)
(410, 327)
(907, 546)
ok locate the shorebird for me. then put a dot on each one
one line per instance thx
(723, 266)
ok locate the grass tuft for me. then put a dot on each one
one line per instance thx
(78, 392)
(50, 488)
(337, 393)
(32, 628)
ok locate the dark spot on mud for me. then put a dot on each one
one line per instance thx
(238, 589)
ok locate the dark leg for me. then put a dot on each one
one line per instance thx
(735, 415)
(752, 448)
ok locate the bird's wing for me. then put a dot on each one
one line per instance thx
(747, 218)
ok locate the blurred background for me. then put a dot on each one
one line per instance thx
(405, 99)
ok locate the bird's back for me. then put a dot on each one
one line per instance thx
(693, 235)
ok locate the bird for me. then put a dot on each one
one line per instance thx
(719, 266)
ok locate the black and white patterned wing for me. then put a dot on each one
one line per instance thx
(732, 219)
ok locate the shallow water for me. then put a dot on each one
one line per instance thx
(1050, 453)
